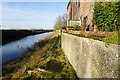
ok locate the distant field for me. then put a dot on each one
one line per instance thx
(12, 35)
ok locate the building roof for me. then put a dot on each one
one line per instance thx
(68, 4)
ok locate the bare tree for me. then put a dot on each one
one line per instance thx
(61, 22)
(58, 23)
(64, 19)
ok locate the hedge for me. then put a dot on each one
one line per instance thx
(106, 16)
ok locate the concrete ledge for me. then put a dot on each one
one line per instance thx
(90, 58)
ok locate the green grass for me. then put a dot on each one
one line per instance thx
(54, 53)
(107, 40)
(49, 57)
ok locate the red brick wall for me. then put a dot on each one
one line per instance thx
(85, 9)
(72, 11)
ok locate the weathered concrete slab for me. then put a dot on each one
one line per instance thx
(90, 58)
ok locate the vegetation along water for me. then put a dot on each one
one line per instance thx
(14, 34)
(45, 60)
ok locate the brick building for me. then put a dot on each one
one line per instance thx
(73, 13)
(79, 13)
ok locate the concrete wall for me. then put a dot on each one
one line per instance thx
(90, 58)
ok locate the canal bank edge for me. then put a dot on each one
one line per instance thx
(35, 59)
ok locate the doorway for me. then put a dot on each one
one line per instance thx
(85, 22)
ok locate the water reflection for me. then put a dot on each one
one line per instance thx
(14, 49)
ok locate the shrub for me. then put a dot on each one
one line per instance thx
(107, 16)
(75, 27)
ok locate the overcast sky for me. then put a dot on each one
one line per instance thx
(31, 15)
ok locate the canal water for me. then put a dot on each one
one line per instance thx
(15, 49)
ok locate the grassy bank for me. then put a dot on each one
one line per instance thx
(12, 35)
(114, 39)
(45, 60)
